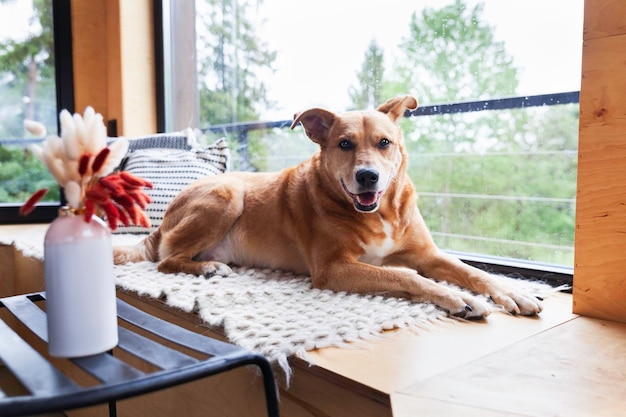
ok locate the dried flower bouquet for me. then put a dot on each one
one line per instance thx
(83, 165)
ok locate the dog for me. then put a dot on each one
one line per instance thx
(348, 217)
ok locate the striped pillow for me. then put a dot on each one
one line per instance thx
(169, 171)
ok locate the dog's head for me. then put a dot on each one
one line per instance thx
(361, 150)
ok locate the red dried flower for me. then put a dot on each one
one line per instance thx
(90, 208)
(32, 201)
(118, 196)
(130, 179)
(83, 164)
(100, 159)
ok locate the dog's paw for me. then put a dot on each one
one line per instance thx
(212, 268)
(469, 307)
(518, 303)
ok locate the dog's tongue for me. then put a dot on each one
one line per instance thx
(366, 199)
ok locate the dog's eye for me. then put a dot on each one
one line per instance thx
(346, 145)
(384, 143)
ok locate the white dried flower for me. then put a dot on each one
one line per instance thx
(96, 134)
(88, 115)
(81, 131)
(38, 152)
(81, 137)
(68, 136)
(82, 164)
(118, 151)
(72, 191)
(35, 128)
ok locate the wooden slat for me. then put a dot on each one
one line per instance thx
(7, 260)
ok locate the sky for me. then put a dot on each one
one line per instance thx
(321, 44)
(13, 18)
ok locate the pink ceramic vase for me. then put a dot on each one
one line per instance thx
(80, 286)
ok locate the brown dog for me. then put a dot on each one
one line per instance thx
(348, 217)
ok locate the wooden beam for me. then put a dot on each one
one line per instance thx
(91, 60)
(600, 257)
(604, 18)
(113, 52)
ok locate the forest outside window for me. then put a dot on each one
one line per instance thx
(499, 183)
(31, 88)
(27, 91)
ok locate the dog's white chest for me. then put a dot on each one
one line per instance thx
(377, 249)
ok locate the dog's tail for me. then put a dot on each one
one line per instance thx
(146, 250)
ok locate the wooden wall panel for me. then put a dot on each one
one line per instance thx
(600, 258)
(113, 52)
(91, 61)
(7, 268)
(138, 83)
(604, 18)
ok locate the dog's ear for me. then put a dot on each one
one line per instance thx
(316, 123)
(396, 107)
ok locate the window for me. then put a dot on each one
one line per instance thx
(35, 81)
(498, 182)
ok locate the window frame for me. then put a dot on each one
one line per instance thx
(64, 79)
(45, 212)
(175, 65)
(555, 275)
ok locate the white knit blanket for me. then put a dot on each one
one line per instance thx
(274, 313)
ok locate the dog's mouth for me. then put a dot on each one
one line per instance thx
(366, 201)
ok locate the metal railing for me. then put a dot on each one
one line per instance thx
(241, 132)
(242, 129)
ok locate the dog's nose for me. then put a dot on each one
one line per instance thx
(367, 177)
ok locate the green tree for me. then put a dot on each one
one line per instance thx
(497, 177)
(27, 73)
(231, 60)
(21, 174)
(368, 94)
(451, 55)
(27, 89)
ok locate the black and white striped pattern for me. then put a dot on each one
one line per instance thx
(169, 171)
(162, 141)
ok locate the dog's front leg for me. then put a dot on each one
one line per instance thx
(449, 268)
(367, 279)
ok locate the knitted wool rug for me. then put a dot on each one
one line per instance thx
(274, 313)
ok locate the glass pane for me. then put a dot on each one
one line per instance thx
(499, 182)
(511, 192)
(27, 91)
